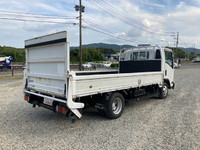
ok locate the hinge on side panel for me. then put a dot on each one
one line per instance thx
(65, 89)
(26, 84)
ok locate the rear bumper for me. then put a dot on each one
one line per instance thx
(56, 105)
(44, 96)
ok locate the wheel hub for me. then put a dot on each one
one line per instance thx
(117, 106)
(165, 90)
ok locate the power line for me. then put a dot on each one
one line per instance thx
(39, 17)
(36, 15)
(121, 13)
(28, 17)
(110, 34)
(108, 11)
(103, 30)
(121, 16)
(186, 43)
(97, 26)
(29, 20)
(23, 16)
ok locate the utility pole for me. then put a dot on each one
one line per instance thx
(81, 9)
(175, 35)
(177, 38)
(80, 38)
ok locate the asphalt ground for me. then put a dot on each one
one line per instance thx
(172, 123)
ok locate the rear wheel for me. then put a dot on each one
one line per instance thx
(164, 91)
(115, 106)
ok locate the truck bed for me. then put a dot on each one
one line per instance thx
(84, 85)
(91, 83)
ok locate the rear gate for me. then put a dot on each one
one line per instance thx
(46, 64)
(47, 69)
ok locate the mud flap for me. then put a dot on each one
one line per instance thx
(73, 106)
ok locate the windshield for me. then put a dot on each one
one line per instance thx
(169, 58)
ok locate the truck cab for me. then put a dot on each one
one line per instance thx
(149, 59)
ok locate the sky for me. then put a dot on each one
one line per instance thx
(108, 21)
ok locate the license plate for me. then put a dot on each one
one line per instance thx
(48, 101)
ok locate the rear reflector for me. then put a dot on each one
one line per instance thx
(61, 109)
(26, 98)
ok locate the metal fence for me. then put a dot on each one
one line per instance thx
(14, 69)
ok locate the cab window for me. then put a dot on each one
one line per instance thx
(169, 58)
(142, 56)
(147, 55)
(135, 56)
(131, 56)
(139, 55)
(158, 55)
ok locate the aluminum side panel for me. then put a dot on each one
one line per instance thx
(99, 84)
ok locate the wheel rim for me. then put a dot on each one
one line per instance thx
(117, 105)
(165, 91)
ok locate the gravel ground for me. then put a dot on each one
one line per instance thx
(173, 123)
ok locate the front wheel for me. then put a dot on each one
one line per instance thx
(164, 91)
(115, 106)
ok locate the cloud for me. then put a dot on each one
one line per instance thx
(180, 5)
(135, 33)
(155, 5)
(157, 16)
(196, 2)
(121, 34)
(185, 20)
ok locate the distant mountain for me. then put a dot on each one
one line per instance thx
(105, 45)
(191, 50)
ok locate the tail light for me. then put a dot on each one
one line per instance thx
(26, 97)
(61, 109)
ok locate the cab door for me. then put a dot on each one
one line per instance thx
(169, 66)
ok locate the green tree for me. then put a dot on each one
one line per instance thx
(17, 54)
(179, 53)
(89, 55)
(74, 56)
(107, 51)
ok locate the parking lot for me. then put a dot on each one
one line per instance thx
(173, 123)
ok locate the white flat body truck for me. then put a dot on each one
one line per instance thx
(48, 81)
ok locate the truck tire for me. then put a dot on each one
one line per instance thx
(164, 91)
(115, 106)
